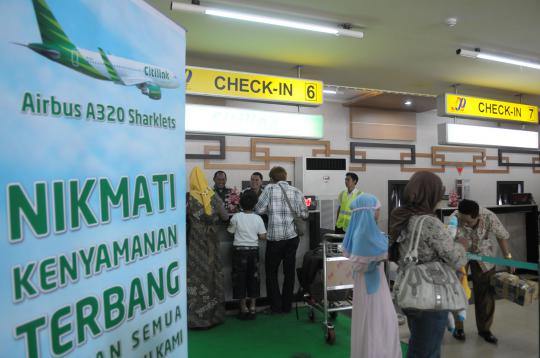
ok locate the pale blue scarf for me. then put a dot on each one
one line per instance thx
(364, 240)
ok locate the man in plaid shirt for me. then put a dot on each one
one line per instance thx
(282, 239)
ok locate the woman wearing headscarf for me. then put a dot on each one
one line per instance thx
(375, 332)
(204, 277)
(421, 195)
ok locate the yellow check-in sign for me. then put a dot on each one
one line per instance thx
(254, 87)
(473, 107)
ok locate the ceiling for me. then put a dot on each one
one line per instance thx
(407, 46)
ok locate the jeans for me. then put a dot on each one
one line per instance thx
(427, 330)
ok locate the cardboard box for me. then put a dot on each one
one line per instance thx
(511, 287)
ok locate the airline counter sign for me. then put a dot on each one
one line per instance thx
(482, 108)
(254, 87)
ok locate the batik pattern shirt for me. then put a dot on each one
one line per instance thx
(482, 237)
(435, 243)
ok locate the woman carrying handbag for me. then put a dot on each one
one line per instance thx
(416, 228)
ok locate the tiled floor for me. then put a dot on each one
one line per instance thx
(515, 326)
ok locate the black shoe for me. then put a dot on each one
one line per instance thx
(243, 315)
(252, 314)
(459, 334)
(489, 337)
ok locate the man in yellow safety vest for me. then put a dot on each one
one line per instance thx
(345, 198)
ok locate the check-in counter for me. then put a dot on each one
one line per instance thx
(310, 238)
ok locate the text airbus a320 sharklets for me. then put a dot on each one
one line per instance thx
(57, 47)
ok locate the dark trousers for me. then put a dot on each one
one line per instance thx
(245, 273)
(276, 252)
(427, 330)
(484, 297)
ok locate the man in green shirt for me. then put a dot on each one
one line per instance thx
(345, 199)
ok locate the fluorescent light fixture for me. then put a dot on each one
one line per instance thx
(249, 122)
(408, 102)
(508, 60)
(329, 91)
(177, 6)
(271, 21)
(462, 134)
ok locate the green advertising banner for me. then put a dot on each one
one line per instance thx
(92, 188)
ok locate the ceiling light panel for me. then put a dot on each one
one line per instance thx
(249, 122)
(461, 134)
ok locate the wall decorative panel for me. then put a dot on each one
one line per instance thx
(234, 166)
(207, 138)
(370, 123)
(478, 170)
(355, 145)
(532, 163)
(404, 169)
(535, 169)
(343, 153)
(438, 158)
(268, 157)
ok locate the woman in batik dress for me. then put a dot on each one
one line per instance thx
(205, 292)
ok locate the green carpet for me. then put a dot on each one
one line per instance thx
(280, 336)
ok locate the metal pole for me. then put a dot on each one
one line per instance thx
(455, 86)
(325, 293)
(299, 75)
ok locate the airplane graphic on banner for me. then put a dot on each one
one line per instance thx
(56, 46)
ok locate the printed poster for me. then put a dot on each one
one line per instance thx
(92, 198)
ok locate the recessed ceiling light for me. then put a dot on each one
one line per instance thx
(329, 91)
(408, 102)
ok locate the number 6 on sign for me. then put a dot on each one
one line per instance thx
(311, 91)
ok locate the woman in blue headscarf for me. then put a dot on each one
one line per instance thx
(375, 332)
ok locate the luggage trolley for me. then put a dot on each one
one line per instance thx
(337, 275)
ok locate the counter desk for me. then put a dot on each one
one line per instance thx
(309, 240)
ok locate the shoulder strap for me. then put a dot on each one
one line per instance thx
(412, 253)
(287, 199)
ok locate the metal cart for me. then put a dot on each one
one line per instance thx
(337, 275)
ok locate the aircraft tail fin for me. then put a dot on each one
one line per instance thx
(110, 69)
(49, 28)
